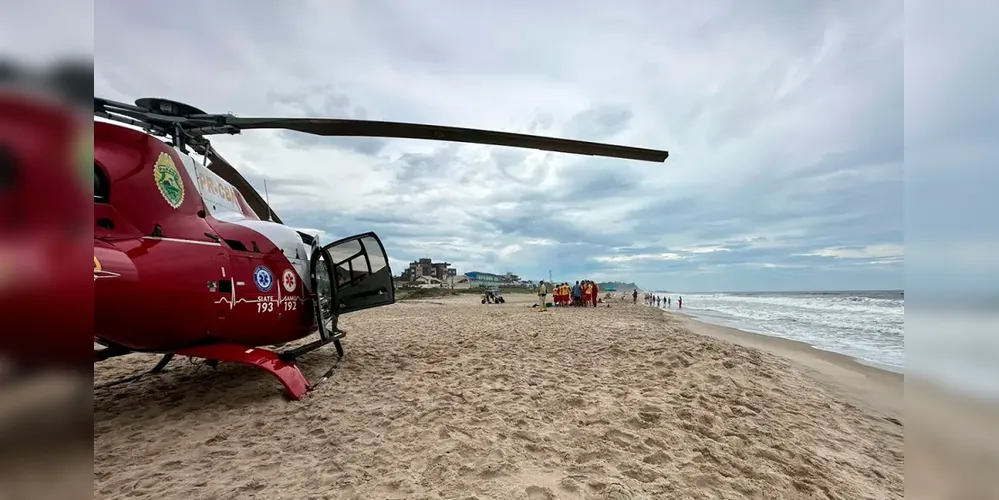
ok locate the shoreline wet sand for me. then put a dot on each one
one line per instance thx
(880, 389)
(448, 398)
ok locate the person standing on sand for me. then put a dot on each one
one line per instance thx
(587, 293)
(542, 294)
(634, 296)
(596, 293)
(679, 302)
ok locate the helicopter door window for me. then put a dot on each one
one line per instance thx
(345, 251)
(376, 257)
(359, 269)
(342, 275)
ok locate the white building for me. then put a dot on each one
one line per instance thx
(427, 282)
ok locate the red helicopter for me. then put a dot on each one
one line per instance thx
(189, 259)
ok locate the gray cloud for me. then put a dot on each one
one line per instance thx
(599, 123)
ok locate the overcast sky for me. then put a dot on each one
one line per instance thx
(784, 121)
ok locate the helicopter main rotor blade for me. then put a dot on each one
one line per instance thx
(364, 128)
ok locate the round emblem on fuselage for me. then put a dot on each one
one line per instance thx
(168, 180)
(288, 280)
(263, 278)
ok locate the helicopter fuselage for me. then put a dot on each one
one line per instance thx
(181, 260)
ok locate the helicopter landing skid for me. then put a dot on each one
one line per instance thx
(291, 355)
(280, 364)
(287, 372)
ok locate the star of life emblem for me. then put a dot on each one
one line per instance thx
(289, 281)
(263, 279)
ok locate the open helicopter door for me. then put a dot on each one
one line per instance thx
(360, 274)
(322, 282)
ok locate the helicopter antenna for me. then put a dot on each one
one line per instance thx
(267, 200)
(207, 148)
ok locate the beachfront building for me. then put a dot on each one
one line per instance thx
(428, 282)
(476, 278)
(480, 279)
(460, 282)
(426, 267)
(511, 278)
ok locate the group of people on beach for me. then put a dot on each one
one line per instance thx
(583, 293)
(659, 301)
(586, 293)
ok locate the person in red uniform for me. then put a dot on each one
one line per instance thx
(596, 293)
(587, 293)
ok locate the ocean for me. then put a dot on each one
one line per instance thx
(868, 326)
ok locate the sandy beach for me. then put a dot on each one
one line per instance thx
(448, 398)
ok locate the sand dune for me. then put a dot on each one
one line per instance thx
(452, 399)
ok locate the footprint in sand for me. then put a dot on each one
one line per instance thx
(539, 493)
(617, 491)
(658, 458)
(620, 437)
(588, 457)
(635, 424)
